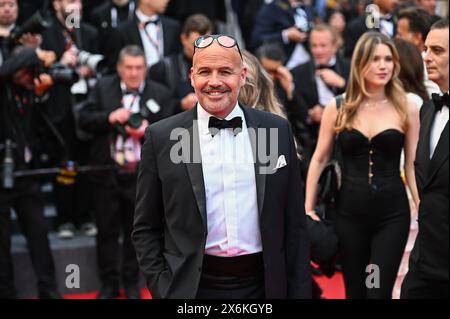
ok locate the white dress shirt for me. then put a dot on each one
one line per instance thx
(230, 189)
(300, 55)
(152, 38)
(324, 92)
(440, 120)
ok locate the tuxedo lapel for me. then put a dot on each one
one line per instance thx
(439, 156)
(135, 34)
(193, 165)
(423, 149)
(253, 123)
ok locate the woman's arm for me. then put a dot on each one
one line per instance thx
(412, 138)
(321, 156)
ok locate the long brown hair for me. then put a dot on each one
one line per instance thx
(412, 70)
(356, 88)
(258, 91)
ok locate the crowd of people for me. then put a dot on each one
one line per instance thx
(97, 88)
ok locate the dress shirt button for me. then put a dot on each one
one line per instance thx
(199, 269)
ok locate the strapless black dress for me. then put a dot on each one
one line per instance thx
(373, 213)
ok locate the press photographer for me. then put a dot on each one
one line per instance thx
(76, 45)
(24, 136)
(117, 112)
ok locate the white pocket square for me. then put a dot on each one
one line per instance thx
(281, 162)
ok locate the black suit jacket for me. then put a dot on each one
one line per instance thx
(306, 92)
(59, 105)
(105, 98)
(431, 249)
(355, 29)
(101, 19)
(128, 33)
(170, 227)
(271, 20)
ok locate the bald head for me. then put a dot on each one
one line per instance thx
(217, 75)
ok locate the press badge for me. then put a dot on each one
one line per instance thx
(153, 106)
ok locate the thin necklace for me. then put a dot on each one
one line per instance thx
(373, 104)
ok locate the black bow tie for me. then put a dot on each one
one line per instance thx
(216, 124)
(132, 92)
(439, 101)
(326, 66)
(387, 18)
(154, 21)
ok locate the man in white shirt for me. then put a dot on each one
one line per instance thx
(428, 275)
(222, 224)
(155, 33)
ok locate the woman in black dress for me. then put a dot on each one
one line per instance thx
(372, 126)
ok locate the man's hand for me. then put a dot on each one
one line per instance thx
(70, 58)
(33, 41)
(85, 71)
(47, 57)
(42, 84)
(331, 78)
(287, 81)
(119, 116)
(137, 133)
(295, 35)
(315, 114)
(189, 101)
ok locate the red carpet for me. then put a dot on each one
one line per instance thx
(333, 288)
(91, 295)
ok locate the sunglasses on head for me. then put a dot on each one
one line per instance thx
(225, 41)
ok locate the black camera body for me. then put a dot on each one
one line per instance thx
(62, 74)
(35, 25)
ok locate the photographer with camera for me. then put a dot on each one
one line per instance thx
(75, 44)
(287, 22)
(24, 135)
(117, 112)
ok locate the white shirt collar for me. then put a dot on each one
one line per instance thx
(144, 18)
(203, 117)
(123, 87)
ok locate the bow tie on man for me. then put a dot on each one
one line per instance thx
(215, 124)
(131, 92)
(326, 66)
(153, 21)
(439, 101)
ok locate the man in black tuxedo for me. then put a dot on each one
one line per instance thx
(287, 22)
(107, 17)
(173, 71)
(156, 34)
(383, 21)
(318, 81)
(429, 261)
(108, 116)
(224, 223)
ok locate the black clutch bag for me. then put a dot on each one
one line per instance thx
(330, 179)
(329, 183)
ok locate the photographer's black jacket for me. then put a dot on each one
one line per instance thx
(23, 121)
(60, 101)
(104, 99)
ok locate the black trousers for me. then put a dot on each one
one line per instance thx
(373, 226)
(416, 287)
(74, 201)
(240, 277)
(26, 200)
(114, 211)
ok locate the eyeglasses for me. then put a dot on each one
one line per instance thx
(225, 41)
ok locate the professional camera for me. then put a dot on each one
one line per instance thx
(35, 25)
(135, 119)
(96, 62)
(62, 74)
